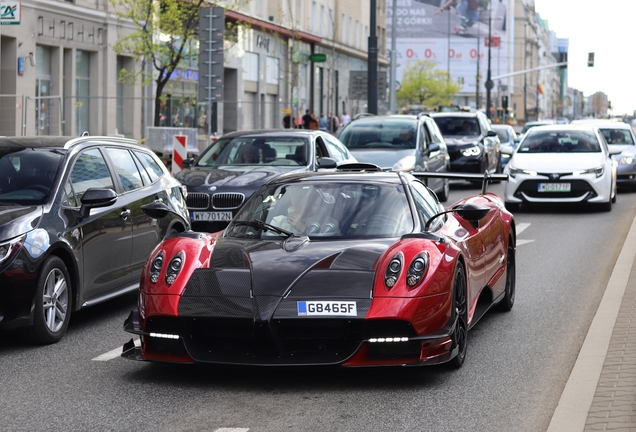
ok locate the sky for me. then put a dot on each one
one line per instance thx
(607, 29)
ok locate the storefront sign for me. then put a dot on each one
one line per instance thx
(10, 13)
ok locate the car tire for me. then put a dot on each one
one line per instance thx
(508, 301)
(445, 192)
(460, 306)
(513, 207)
(53, 299)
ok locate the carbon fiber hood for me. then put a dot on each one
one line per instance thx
(248, 278)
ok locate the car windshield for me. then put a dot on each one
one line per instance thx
(256, 150)
(617, 136)
(529, 126)
(457, 126)
(560, 142)
(380, 133)
(325, 210)
(26, 175)
(503, 135)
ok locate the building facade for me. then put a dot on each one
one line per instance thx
(60, 74)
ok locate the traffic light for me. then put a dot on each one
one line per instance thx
(590, 59)
(504, 102)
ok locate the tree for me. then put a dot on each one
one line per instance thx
(166, 33)
(424, 84)
(163, 32)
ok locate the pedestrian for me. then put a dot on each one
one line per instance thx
(323, 122)
(306, 119)
(287, 121)
(345, 119)
(334, 123)
(313, 122)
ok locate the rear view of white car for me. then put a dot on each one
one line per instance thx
(561, 164)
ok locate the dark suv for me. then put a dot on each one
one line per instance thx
(72, 229)
(400, 143)
(472, 145)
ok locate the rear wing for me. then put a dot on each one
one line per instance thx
(485, 178)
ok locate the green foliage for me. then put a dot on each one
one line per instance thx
(424, 84)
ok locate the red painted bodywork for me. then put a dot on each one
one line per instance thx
(427, 306)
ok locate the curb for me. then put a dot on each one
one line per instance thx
(573, 408)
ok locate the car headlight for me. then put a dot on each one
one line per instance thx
(155, 267)
(512, 172)
(175, 266)
(405, 164)
(596, 171)
(393, 271)
(9, 248)
(417, 269)
(471, 151)
(626, 160)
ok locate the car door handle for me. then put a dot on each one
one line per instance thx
(124, 214)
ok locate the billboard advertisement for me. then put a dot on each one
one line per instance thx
(454, 35)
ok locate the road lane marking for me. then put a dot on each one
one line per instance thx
(520, 242)
(113, 353)
(232, 430)
(522, 227)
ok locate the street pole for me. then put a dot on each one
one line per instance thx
(525, 77)
(449, 45)
(392, 80)
(372, 73)
(477, 95)
(489, 83)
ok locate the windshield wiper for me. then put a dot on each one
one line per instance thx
(257, 223)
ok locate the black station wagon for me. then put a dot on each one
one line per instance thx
(72, 229)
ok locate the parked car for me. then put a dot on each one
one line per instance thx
(230, 170)
(622, 144)
(561, 164)
(507, 141)
(472, 144)
(72, 230)
(338, 268)
(409, 143)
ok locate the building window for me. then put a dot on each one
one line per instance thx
(343, 29)
(332, 34)
(250, 66)
(44, 102)
(350, 31)
(271, 70)
(314, 17)
(82, 91)
(120, 96)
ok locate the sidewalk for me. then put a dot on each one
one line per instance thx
(601, 391)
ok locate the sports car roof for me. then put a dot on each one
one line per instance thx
(336, 176)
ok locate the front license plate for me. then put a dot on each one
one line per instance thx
(327, 308)
(554, 187)
(211, 216)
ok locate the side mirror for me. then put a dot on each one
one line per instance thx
(96, 198)
(433, 147)
(187, 163)
(491, 133)
(471, 212)
(615, 150)
(327, 162)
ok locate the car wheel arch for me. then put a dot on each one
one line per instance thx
(71, 267)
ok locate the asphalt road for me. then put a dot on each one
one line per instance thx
(517, 364)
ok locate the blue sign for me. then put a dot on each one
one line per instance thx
(20, 65)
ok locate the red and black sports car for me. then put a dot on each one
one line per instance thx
(329, 268)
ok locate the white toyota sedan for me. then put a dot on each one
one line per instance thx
(561, 164)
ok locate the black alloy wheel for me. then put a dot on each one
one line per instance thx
(445, 192)
(508, 301)
(52, 302)
(460, 335)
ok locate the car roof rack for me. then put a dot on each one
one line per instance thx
(359, 167)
